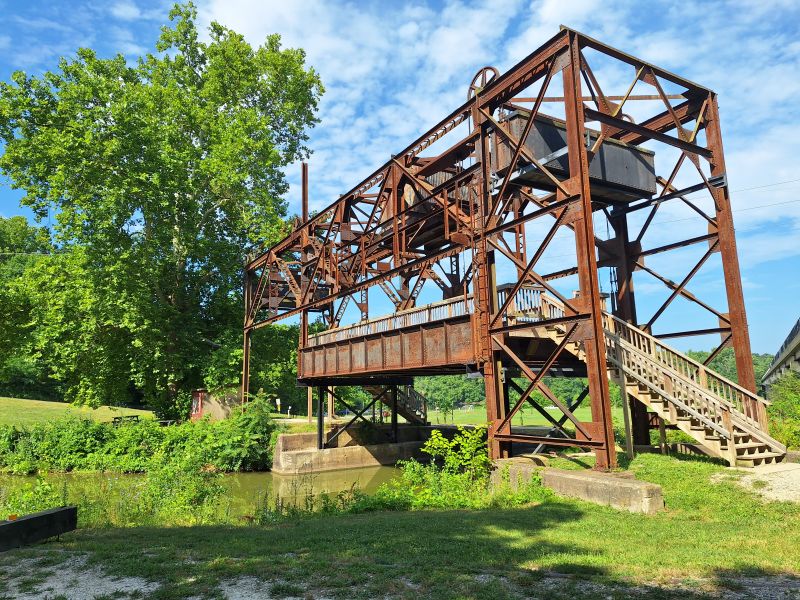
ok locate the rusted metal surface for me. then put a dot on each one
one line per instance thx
(462, 198)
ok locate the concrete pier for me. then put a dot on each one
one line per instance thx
(618, 490)
(354, 448)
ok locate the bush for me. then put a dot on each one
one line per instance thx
(30, 498)
(240, 443)
(457, 478)
(784, 412)
(465, 453)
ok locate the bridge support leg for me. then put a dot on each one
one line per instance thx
(592, 334)
(246, 366)
(394, 413)
(625, 309)
(320, 418)
(730, 259)
(331, 405)
(496, 400)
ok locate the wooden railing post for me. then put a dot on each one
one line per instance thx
(727, 424)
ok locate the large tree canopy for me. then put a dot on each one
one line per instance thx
(162, 175)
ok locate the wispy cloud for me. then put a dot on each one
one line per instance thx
(392, 70)
(127, 11)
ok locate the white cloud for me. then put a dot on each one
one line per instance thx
(393, 70)
(127, 11)
(125, 42)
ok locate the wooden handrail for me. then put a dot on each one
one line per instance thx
(436, 311)
(723, 390)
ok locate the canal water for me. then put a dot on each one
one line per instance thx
(244, 490)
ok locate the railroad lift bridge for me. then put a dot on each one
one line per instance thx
(540, 159)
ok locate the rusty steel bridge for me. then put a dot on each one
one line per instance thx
(480, 198)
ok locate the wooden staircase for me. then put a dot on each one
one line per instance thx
(727, 420)
(411, 405)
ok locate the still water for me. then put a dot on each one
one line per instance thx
(245, 490)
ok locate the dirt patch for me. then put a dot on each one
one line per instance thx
(30, 579)
(561, 586)
(66, 575)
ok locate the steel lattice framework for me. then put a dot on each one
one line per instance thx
(448, 217)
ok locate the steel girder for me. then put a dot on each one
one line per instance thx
(448, 217)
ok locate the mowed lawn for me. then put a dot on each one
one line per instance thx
(527, 416)
(713, 537)
(20, 411)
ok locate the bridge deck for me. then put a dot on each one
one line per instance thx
(435, 338)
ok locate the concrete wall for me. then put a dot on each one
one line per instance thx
(349, 457)
(355, 448)
(618, 490)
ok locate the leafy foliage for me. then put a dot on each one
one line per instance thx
(464, 453)
(725, 363)
(162, 175)
(243, 442)
(30, 498)
(784, 412)
(23, 248)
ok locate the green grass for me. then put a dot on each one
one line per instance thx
(19, 411)
(712, 535)
(526, 416)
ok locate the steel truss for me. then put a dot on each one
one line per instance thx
(447, 218)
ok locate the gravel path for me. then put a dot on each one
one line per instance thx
(775, 482)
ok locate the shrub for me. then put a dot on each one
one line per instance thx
(784, 412)
(241, 442)
(465, 453)
(179, 491)
(30, 498)
(457, 478)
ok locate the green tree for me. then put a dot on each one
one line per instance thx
(163, 175)
(446, 392)
(724, 363)
(23, 248)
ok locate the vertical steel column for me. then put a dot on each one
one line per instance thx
(304, 313)
(501, 386)
(247, 295)
(320, 418)
(593, 336)
(740, 336)
(485, 297)
(246, 366)
(626, 310)
(394, 413)
(331, 405)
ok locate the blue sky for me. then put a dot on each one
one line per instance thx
(392, 69)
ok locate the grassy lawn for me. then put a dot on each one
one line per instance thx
(714, 536)
(18, 411)
(526, 416)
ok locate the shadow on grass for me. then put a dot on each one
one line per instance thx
(514, 553)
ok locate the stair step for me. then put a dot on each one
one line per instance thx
(759, 456)
(747, 445)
